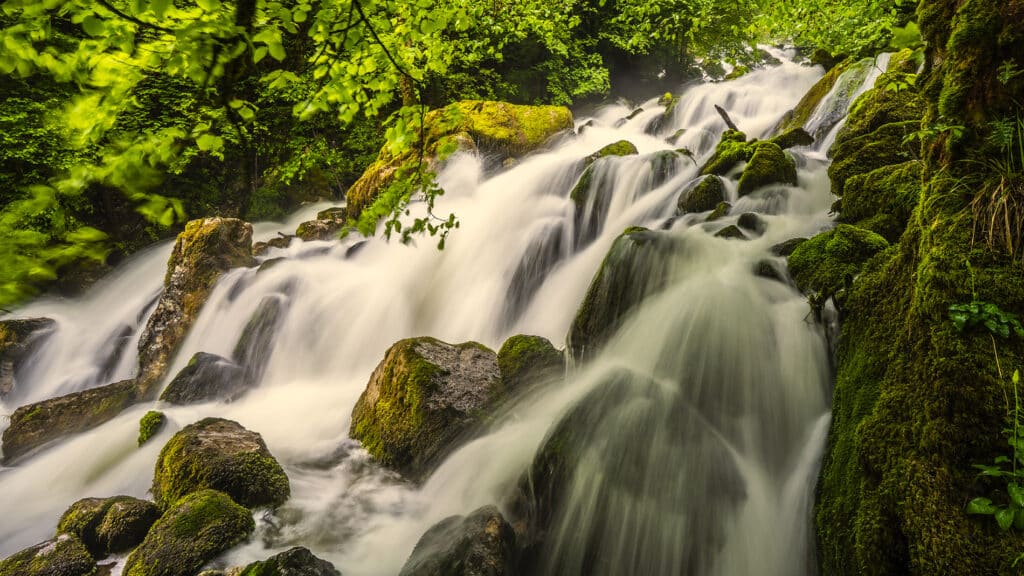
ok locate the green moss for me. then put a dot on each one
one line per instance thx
(525, 359)
(769, 164)
(194, 530)
(815, 95)
(906, 61)
(737, 72)
(878, 149)
(152, 422)
(294, 562)
(889, 191)
(620, 148)
(578, 194)
(721, 210)
(793, 137)
(732, 149)
(62, 556)
(708, 194)
(827, 263)
(894, 99)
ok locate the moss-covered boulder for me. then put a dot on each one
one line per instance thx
(480, 544)
(827, 263)
(732, 149)
(150, 425)
(814, 97)
(752, 222)
(721, 210)
(620, 148)
(297, 561)
(890, 190)
(614, 292)
(769, 164)
(792, 138)
(18, 339)
(222, 455)
(863, 154)
(62, 556)
(191, 532)
(498, 129)
(786, 248)
(37, 424)
(109, 525)
(326, 226)
(206, 378)
(422, 400)
(706, 195)
(883, 105)
(202, 253)
(526, 359)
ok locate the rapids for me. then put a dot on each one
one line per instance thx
(721, 374)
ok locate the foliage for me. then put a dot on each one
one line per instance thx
(855, 27)
(1010, 468)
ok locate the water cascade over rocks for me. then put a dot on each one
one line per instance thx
(680, 433)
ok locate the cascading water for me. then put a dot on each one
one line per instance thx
(695, 432)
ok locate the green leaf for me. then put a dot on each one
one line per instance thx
(210, 143)
(93, 26)
(276, 51)
(209, 5)
(1004, 517)
(1016, 494)
(981, 505)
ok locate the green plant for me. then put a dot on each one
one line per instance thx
(1010, 468)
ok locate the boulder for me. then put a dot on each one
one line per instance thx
(326, 226)
(191, 532)
(769, 164)
(62, 556)
(752, 222)
(207, 377)
(254, 346)
(281, 241)
(786, 248)
(150, 425)
(828, 262)
(221, 455)
(731, 232)
(732, 149)
(498, 129)
(720, 211)
(793, 137)
(620, 148)
(42, 422)
(109, 525)
(202, 253)
(18, 339)
(891, 190)
(422, 399)
(297, 561)
(706, 195)
(845, 78)
(481, 544)
(527, 359)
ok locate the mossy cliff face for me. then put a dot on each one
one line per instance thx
(37, 424)
(422, 399)
(222, 455)
(192, 531)
(202, 253)
(63, 556)
(917, 402)
(507, 130)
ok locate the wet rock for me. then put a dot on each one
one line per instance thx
(63, 556)
(421, 401)
(706, 195)
(720, 211)
(109, 525)
(297, 561)
(620, 148)
(752, 222)
(792, 138)
(481, 544)
(827, 263)
(732, 149)
(150, 425)
(206, 378)
(254, 346)
(846, 77)
(526, 359)
(786, 248)
(731, 232)
(326, 226)
(18, 340)
(766, 268)
(544, 253)
(768, 165)
(221, 455)
(202, 253)
(37, 424)
(261, 248)
(193, 531)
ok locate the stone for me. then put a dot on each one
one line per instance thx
(731, 232)
(206, 378)
(297, 561)
(768, 165)
(18, 340)
(150, 425)
(705, 195)
(481, 544)
(61, 556)
(523, 360)
(752, 222)
(109, 525)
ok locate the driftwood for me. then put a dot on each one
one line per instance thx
(725, 116)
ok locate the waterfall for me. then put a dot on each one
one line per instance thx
(700, 423)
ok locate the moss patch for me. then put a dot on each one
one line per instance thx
(827, 263)
(62, 556)
(708, 194)
(769, 164)
(151, 424)
(526, 359)
(732, 149)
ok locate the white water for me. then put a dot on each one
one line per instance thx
(343, 313)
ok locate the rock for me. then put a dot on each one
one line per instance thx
(793, 137)
(62, 556)
(18, 340)
(828, 262)
(254, 346)
(845, 78)
(880, 106)
(766, 268)
(270, 263)
(732, 149)
(864, 154)
(193, 531)
(891, 190)
(207, 377)
(906, 61)
(706, 195)
(205, 250)
(737, 72)
(528, 359)
(620, 148)
(261, 248)
(786, 248)
(545, 252)
(109, 525)
(222, 455)
(332, 213)
(614, 292)
(326, 226)
(720, 211)
(769, 164)
(150, 425)
(676, 136)
(753, 222)
(498, 129)
(481, 544)
(731, 232)
(36, 424)
(297, 561)
(422, 399)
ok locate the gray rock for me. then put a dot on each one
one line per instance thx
(297, 561)
(61, 556)
(481, 544)
(206, 378)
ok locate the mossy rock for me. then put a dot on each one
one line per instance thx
(205, 378)
(861, 155)
(296, 561)
(828, 262)
(793, 137)
(620, 148)
(221, 455)
(881, 105)
(732, 149)
(202, 253)
(731, 232)
(480, 544)
(706, 195)
(737, 72)
(721, 211)
(37, 424)
(768, 165)
(256, 343)
(786, 248)
(614, 292)
(150, 425)
(889, 191)
(313, 230)
(18, 340)
(193, 531)
(109, 525)
(422, 400)
(526, 359)
(814, 97)
(906, 61)
(63, 556)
